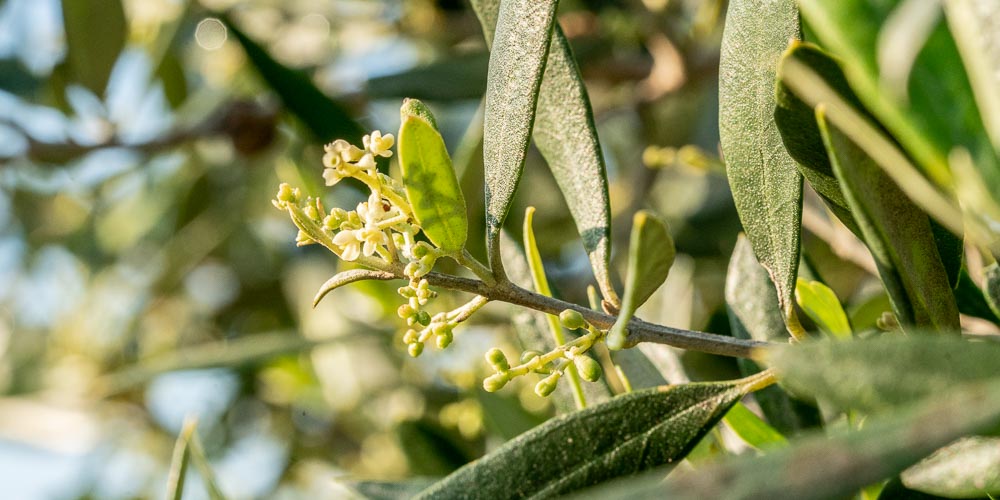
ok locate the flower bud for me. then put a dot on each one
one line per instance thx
(444, 338)
(405, 292)
(410, 336)
(527, 356)
(495, 382)
(572, 319)
(589, 369)
(405, 311)
(545, 386)
(287, 194)
(424, 318)
(496, 358)
(415, 349)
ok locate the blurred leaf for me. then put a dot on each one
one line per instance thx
(16, 79)
(992, 276)
(650, 254)
(821, 467)
(517, 62)
(454, 76)
(171, 73)
(430, 449)
(324, 117)
(200, 461)
(754, 313)
(95, 35)
(975, 23)
(929, 106)
(750, 428)
(505, 415)
(629, 434)
(567, 137)
(823, 307)
(968, 468)
(971, 300)
(796, 122)
(766, 184)
(894, 490)
(430, 181)
(882, 372)
(898, 234)
(179, 461)
(390, 490)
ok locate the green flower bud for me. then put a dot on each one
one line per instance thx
(527, 356)
(495, 382)
(545, 386)
(405, 292)
(496, 358)
(444, 338)
(420, 250)
(424, 318)
(415, 349)
(405, 311)
(410, 336)
(589, 369)
(287, 194)
(572, 319)
(310, 211)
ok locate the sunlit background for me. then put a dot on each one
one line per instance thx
(145, 276)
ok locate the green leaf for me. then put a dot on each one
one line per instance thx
(179, 462)
(390, 490)
(992, 276)
(452, 77)
(752, 429)
(650, 254)
(974, 24)
(628, 434)
(821, 467)
(911, 78)
(898, 233)
(95, 35)
(766, 184)
(567, 137)
(429, 179)
(347, 277)
(517, 62)
(823, 307)
(968, 468)
(754, 313)
(324, 117)
(971, 300)
(882, 372)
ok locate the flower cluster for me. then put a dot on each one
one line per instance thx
(380, 233)
(552, 364)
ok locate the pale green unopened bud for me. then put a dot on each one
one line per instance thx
(496, 358)
(405, 311)
(410, 336)
(286, 193)
(545, 386)
(527, 356)
(495, 382)
(589, 369)
(406, 292)
(444, 339)
(415, 349)
(572, 319)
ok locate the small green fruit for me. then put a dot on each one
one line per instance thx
(496, 358)
(545, 386)
(589, 369)
(572, 319)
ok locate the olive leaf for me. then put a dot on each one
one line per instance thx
(566, 136)
(898, 233)
(974, 24)
(431, 185)
(95, 36)
(347, 277)
(766, 184)
(912, 79)
(967, 468)
(650, 255)
(517, 62)
(752, 429)
(754, 313)
(823, 307)
(880, 373)
(821, 467)
(628, 434)
(992, 276)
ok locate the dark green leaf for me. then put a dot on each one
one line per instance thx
(971, 300)
(390, 490)
(455, 76)
(974, 24)
(882, 372)
(430, 181)
(650, 255)
(324, 117)
(968, 468)
(992, 276)
(628, 434)
(754, 313)
(894, 490)
(95, 35)
(517, 62)
(898, 233)
(929, 105)
(752, 429)
(821, 467)
(347, 277)
(766, 184)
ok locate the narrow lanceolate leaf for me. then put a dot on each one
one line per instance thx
(820, 467)
(992, 276)
(324, 117)
(898, 233)
(796, 121)
(976, 27)
(429, 179)
(968, 468)
(347, 277)
(517, 62)
(823, 307)
(629, 434)
(883, 372)
(754, 313)
(752, 429)
(567, 137)
(766, 184)
(928, 106)
(179, 461)
(95, 35)
(650, 255)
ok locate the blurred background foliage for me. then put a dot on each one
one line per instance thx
(146, 277)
